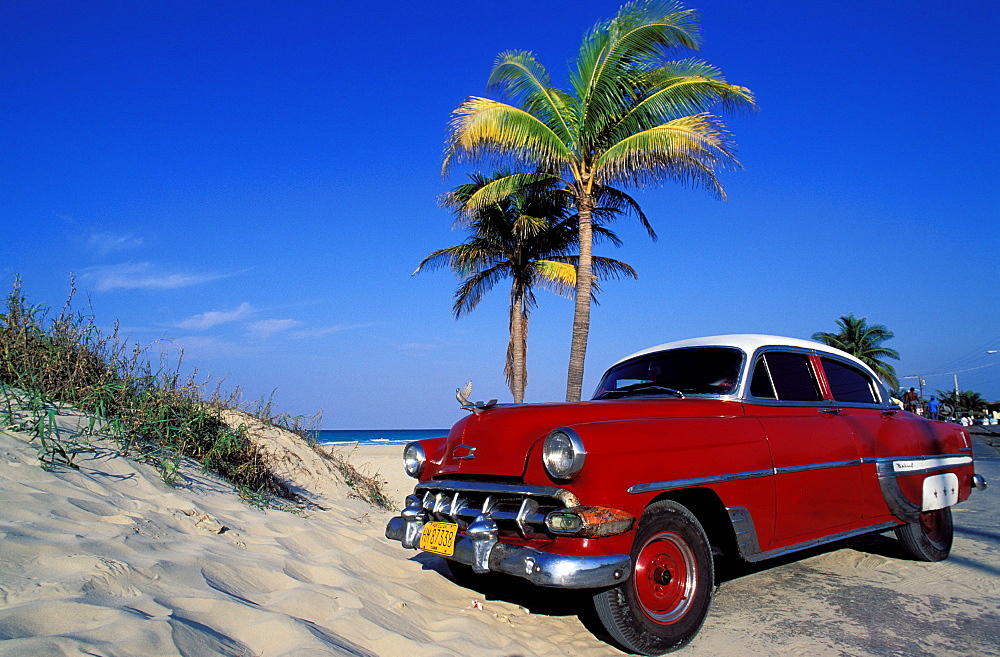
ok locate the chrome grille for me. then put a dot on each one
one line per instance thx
(514, 508)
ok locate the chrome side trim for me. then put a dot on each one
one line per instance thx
(805, 545)
(905, 465)
(817, 466)
(540, 568)
(880, 459)
(746, 536)
(698, 481)
(900, 465)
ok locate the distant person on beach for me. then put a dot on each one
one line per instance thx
(932, 408)
(910, 400)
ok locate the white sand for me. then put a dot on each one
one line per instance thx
(110, 561)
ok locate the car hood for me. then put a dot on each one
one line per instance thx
(499, 441)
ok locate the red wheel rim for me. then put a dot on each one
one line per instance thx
(665, 578)
(932, 525)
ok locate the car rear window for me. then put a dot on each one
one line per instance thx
(690, 371)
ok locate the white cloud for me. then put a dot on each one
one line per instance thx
(104, 244)
(207, 348)
(215, 317)
(417, 346)
(324, 331)
(268, 327)
(142, 276)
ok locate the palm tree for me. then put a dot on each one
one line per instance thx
(528, 237)
(965, 402)
(630, 118)
(864, 342)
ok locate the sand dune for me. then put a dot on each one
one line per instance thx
(108, 560)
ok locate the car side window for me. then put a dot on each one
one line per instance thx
(790, 377)
(849, 384)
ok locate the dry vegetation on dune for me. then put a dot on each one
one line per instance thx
(153, 413)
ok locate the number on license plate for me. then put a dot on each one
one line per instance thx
(439, 538)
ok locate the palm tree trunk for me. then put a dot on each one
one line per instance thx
(516, 351)
(581, 314)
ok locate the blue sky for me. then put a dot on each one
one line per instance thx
(254, 182)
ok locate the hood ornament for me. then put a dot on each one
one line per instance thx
(463, 393)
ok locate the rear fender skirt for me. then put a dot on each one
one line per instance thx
(892, 467)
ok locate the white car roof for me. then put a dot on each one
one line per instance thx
(749, 343)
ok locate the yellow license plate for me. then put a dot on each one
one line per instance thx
(439, 538)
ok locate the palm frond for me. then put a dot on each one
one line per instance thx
(472, 199)
(473, 289)
(603, 233)
(556, 277)
(688, 149)
(618, 201)
(690, 86)
(482, 127)
(522, 77)
(609, 268)
(605, 268)
(473, 255)
(636, 40)
(526, 227)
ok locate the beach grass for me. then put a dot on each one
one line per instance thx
(49, 361)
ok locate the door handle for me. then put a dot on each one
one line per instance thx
(889, 412)
(830, 411)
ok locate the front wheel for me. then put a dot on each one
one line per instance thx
(928, 538)
(663, 604)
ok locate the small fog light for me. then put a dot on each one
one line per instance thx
(564, 523)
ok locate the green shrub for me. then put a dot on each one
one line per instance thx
(153, 414)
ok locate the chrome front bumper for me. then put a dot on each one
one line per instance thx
(480, 549)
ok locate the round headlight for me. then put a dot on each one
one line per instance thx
(563, 454)
(414, 459)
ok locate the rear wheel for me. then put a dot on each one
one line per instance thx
(928, 538)
(663, 604)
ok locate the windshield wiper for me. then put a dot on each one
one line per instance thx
(641, 388)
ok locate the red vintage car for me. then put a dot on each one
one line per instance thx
(739, 446)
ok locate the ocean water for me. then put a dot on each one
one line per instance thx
(375, 436)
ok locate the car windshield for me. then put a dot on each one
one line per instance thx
(678, 372)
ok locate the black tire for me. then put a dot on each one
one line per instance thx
(930, 537)
(664, 602)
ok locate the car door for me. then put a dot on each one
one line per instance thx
(817, 474)
(872, 422)
(884, 432)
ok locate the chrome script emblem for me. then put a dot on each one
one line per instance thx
(469, 455)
